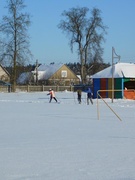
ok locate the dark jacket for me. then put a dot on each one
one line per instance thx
(89, 93)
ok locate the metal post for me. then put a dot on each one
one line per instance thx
(112, 75)
(116, 56)
(36, 72)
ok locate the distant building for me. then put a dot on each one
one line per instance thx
(124, 78)
(4, 75)
(25, 78)
(53, 74)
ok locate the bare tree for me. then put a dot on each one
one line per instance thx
(15, 40)
(87, 33)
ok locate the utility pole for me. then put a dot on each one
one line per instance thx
(114, 55)
(36, 72)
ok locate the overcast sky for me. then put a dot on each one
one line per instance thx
(49, 44)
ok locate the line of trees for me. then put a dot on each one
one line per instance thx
(84, 27)
(91, 68)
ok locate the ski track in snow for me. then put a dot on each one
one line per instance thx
(46, 141)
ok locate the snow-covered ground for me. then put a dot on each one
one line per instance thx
(66, 141)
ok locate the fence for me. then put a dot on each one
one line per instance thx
(30, 88)
(4, 89)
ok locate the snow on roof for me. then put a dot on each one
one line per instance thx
(24, 77)
(120, 70)
(46, 71)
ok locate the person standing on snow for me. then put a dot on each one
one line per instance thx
(79, 95)
(52, 95)
(89, 96)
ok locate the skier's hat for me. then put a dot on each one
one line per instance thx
(49, 89)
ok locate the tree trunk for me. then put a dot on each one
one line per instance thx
(14, 73)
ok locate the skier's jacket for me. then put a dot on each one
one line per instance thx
(51, 93)
(89, 93)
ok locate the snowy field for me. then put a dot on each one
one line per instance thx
(66, 141)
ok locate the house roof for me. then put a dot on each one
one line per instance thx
(24, 77)
(4, 69)
(48, 70)
(120, 70)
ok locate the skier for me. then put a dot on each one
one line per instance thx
(52, 95)
(79, 95)
(89, 96)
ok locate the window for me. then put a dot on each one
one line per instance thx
(63, 73)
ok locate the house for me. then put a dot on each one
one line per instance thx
(4, 75)
(56, 74)
(25, 78)
(124, 78)
(53, 74)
